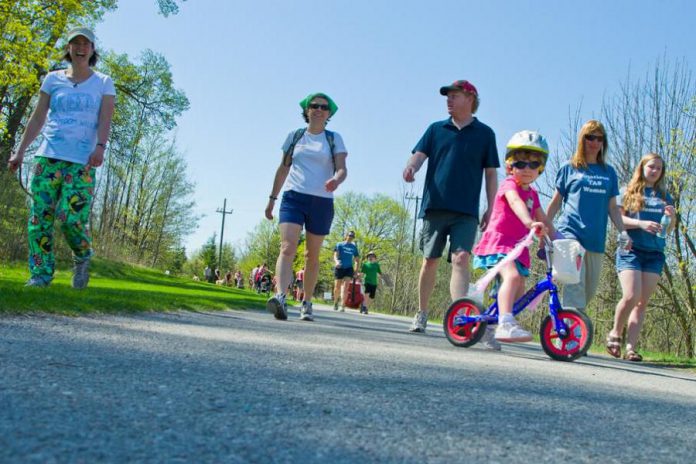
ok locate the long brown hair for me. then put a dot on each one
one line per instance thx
(579, 159)
(633, 200)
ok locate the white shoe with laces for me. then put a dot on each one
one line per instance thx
(512, 332)
(488, 340)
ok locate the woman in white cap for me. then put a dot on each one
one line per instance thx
(312, 168)
(73, 114)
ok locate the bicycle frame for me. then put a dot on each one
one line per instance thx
(490, 316)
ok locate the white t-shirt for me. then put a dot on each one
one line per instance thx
(70, 132)
(312, 165)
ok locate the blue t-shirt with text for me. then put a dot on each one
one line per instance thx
(653, 210)
(586, 193)
(346, 252)
(456, 162)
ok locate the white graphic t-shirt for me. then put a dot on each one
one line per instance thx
(70, 132)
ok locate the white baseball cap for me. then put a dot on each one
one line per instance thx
(81, 31)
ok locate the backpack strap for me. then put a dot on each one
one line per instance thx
(287, 156)
(332, 147)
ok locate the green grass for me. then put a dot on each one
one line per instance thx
(116, 288)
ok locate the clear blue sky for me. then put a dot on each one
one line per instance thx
(245, 65)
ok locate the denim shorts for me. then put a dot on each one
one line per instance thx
(438, 225)
(313, 212)
(640, 260)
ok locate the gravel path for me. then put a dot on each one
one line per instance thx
(238, 386)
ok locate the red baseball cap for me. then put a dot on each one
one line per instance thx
(463, 85)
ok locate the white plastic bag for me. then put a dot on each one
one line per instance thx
(567, 260)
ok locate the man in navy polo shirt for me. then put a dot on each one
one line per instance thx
(461, 151)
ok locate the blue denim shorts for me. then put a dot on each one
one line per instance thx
(640, 260)
(313, 212)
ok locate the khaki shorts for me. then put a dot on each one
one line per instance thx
(439, 225)
(579, 295)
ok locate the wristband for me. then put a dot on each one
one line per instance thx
(103, 145)
(272, 197)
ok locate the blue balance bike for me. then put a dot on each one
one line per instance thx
(565, 334)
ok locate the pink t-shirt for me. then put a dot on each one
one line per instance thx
(505, 229)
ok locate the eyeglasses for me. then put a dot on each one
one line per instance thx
(592, 137)
(526, 164)
(319, 106)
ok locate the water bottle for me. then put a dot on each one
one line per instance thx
(664, 225)
(622, 243)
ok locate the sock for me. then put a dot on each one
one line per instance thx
(507, 318)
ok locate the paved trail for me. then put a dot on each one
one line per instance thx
(239, 386)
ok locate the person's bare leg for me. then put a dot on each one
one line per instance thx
(459, 283)
(289, 238)
(312, 247)
(630, 281)
(635, 321)
(426, 282)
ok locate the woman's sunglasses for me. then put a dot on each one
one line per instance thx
(592, 137)
(526, 164)
(319, 106)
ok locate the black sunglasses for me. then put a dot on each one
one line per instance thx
(525, 164)
(592, 137)
(319, 106)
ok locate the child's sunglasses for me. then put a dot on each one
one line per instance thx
(526, 164)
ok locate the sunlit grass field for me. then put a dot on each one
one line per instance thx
(116, 288)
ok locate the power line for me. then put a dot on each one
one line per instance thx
(224, 213)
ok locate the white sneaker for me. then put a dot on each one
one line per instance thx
(306, 312)
(488, 340)
(420, 322)
(511, 332)
(276, 305)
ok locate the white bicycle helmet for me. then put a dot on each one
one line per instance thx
(528, 140)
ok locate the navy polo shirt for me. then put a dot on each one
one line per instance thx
(456, 160)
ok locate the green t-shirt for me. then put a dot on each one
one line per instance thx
(371, 270)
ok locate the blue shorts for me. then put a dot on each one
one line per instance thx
(489, 262)
(640, 260)
(313, 212)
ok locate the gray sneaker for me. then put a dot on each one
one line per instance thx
(488, 340)
(80, 277)
(420, 322)
(276, 305)
(38, 281)
(306, 311)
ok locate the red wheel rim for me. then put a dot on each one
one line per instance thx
(571, 344)
(464, 332)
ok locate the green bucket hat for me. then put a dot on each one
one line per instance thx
(332, 105)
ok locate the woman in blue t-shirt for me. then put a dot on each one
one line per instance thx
(73, 114)
(643, 203)
(587, 188)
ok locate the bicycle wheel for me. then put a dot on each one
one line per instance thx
(467, 334)
(574, 344)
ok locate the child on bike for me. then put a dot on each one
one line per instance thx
(516, 210)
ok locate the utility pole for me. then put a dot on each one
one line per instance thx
(224, 213)
(415, 219)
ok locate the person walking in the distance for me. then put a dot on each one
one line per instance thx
(346, 260)
(371, 270)
(461, 151)
(74, 108)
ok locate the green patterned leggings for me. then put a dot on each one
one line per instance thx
(63, 190)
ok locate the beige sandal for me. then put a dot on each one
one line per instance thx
(614, 346)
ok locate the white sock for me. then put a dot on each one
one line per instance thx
(507, 319)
